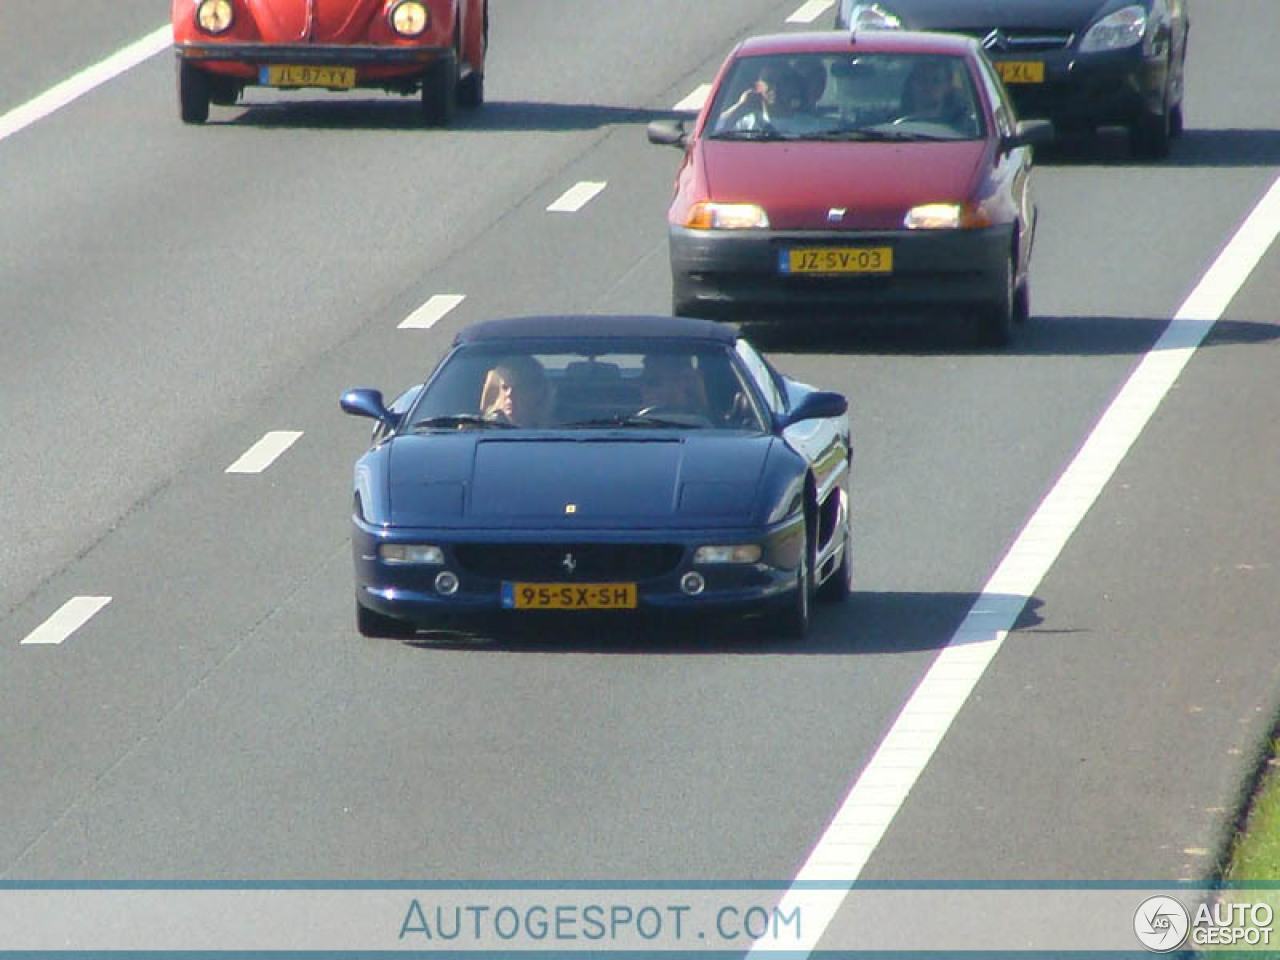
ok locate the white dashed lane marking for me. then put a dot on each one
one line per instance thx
(694, 101)
(577, 196)
(77, 86)
(263, 453)
(842, 852)
(811, 11)
(429, 314)
(71, 616)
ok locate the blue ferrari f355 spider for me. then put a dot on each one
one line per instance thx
(595, 463)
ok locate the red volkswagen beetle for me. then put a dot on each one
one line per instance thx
(874, 171)
(402, 46)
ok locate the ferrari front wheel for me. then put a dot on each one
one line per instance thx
(194, 93)
(370, 623)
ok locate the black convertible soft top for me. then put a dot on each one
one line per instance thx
(596, 325)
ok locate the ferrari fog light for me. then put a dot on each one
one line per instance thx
(215, 16)
(1117, 31)
(410, 553)
(736, 553)
(446, 583)
(410, 18)
(726, 216)
(692, 583)
(945, 216)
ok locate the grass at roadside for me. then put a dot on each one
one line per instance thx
(1254, 867)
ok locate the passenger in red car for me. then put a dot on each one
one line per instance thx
(516, 392)
(777, 101)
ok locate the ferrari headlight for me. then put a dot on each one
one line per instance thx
(1116, 31)
(215, 16)
(409, 18)
(873, 16)
(420, 553)
(734, 553)
(726, 216)
(945, 216)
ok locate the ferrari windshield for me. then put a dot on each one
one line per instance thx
(613, 384)
(865, 96)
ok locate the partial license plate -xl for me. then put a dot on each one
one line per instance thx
(307, 75)
(1021, 71)
(836, 260)
(568, 596)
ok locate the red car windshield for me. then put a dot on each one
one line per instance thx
(874, 96)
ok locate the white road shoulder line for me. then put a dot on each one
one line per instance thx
(77, 86)
(429, 314)
(859, 825)
(263, 453)
(694, 101)
(577, 196)
(70, 617)
(810, 11)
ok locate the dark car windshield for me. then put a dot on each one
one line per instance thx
(615, 384)
(848, 96)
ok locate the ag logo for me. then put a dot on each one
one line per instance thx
(1161, 924)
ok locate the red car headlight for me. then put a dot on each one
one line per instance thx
(215, 16)
(409, 18)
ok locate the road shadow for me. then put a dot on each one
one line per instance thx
(1109, 147)
(1043, 336)
(869, 622)
(405, 113)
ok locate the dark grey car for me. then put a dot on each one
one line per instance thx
(1081, 63)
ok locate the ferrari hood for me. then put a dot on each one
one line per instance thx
(973, 15)
(596, 481)
(312, 21)
(798, 183)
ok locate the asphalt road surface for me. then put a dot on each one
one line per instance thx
(169, 295)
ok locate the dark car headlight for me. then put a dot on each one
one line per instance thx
(1116, 31)
(215, 16)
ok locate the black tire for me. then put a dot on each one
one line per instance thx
(440, 93)
(1022, 303)
(193, 93)
(792, 622)
(994, 319)
(839, 585)
(370, 623)
(1149, 135)
(471, 90)
(1176, 122)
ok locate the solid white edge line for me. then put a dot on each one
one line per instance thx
(842, 852)
(263, 453)
(69, 618)
(694, 101)
(430, 313)
(577, 196)
(63, 93)
(810, 11)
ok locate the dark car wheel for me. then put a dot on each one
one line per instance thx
(440, 93)
(839, 585)
(471, 90)
(1022, 303)
(995, 318)
(792, 622)
(193, 93)
(370, 623)
(1149, 135)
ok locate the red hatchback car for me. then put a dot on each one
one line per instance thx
(403, 46)
(866, 172)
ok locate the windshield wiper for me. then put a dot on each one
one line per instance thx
(635, 420)
(459, 420)
(903, 135)
(751, 135)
